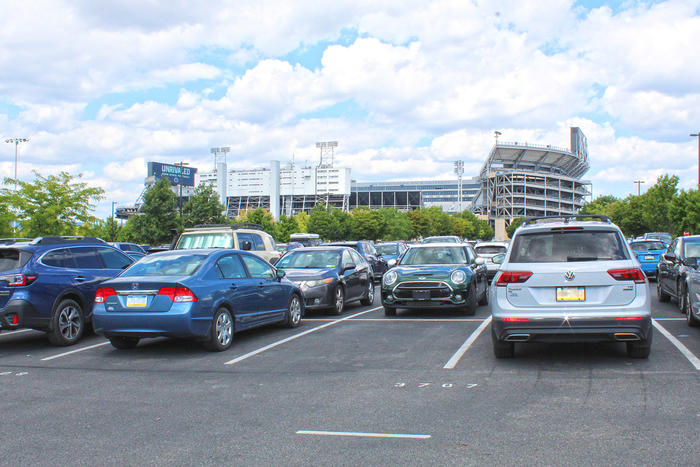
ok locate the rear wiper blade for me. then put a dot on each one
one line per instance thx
(581, 258)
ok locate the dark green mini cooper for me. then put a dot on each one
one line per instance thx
(436, 276)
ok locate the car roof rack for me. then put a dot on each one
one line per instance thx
(57, 240)
(236, 226)
(566, 218)
(10, 241)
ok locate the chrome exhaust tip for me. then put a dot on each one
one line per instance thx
(518, 338)
(626, 337)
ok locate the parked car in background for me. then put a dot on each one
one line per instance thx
(241, 236)
(486, 251)
(648, 253)
(436, 276)
(329, 277)
(131, 249)
(49, 284)
(442, 239)
(285, 247)
(369, 253)
(570, 280)
(205, 294)
(665, 237)
(391, 251)
(306, 239)
(691, 301)
(674, 266)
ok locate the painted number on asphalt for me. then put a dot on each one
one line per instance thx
(422, 385)
(10, 373)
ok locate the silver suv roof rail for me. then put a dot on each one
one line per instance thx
(566, 219)
(236, 226)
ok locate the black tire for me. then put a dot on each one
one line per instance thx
(389, 311)
(124, 343)
(369, 298)
(470, 307)
(221, 331)
(484, 300)
(294, 311)
(640, 349)
(690, 317)
(502, 349)
(67, 323)
(680, 296)
(338, 300)
(663, 296)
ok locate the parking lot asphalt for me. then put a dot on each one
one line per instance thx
(359, 388)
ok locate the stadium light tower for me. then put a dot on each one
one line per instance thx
(16, 142)
(697, 135)
(459, 170)
(327, 150)
(496, 134)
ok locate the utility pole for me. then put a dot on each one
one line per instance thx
(113, 224)
(180, 179)
(697, 135)
(639, 186)
(16, 142)
(459, 170)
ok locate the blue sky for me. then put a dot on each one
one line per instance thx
(405, 87)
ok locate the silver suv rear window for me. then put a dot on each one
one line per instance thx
(567, 245)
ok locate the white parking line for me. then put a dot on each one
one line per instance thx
(73, 351)
(407, 320)
(365, 435)
(452, 362)
(695, 361)
(15, 332)
(669, 319)
(291, 338)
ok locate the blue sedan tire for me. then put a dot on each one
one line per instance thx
(124, 343)
(293, 312)
(221, 332)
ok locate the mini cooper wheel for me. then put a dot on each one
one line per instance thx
(483, 301)
(663, 296)
(389, 311)
(690, 317)
(294, 312)
(470, 307)
(124, 343)
(68, 323)
(338, 300)
(369, 299)
(221, 333)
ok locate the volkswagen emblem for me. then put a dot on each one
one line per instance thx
(134, 285)
(569, 275)
(421, 278)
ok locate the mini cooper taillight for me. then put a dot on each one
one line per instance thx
(512, 277)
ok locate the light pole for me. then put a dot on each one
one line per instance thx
(16, 142)
(113, 225)
(459, 170)
(697, 135)
(180, 180)
(639, 186)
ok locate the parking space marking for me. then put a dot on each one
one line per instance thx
(364, 435)
(669, 319)
(74, 351)
(295, 336)
(695, 361)
(452, 362)
(407, 320)
(15, 332)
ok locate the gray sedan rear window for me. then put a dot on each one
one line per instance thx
(563, 246)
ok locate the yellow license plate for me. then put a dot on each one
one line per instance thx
(136, 300)
(571, 294)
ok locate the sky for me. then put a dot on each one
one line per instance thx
(406, 87)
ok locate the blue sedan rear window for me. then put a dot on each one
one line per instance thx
(647, 246)
(166, 265)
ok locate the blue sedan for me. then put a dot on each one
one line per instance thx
(203, 294)
(647, 253)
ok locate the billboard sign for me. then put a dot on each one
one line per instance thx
(177, 174)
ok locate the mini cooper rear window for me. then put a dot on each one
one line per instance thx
(435, 255)
(563, 246)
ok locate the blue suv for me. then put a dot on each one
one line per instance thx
(49, 283)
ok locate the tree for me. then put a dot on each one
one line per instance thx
(262, 217)
(684, 212)
(600, 205)
(439, 221)
(322, 222)
(159, 215)
(420, 223)
(367, 224)
(53, 205)
(286, 227)
(105, 229)
(397, 225)
(203, 207)
(656, 202)
(514, 224)
(344, 224)
(303, 219)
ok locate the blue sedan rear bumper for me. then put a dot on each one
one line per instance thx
(178, 322)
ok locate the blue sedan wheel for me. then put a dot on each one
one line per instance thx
(221, 334)
(294, 312)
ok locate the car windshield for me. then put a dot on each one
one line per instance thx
(663, 236)
(490, 250)
(205, 240)
(692, 248)
(434, 255)
(183, 264)
(647, 246)
(563, 246)
(440, 240)
(387, 248)
(309, 260)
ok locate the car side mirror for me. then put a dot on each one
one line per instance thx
(498, 259)
(391, 263)
(349, 267)
(480, 260)
(247, 246)
(280, 273)
(669, 257)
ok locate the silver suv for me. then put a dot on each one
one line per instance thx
(570, 280)
(241, 236)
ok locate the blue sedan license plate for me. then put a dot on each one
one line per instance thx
(571, 294)
(136, 300)
(421, 294)
(649, 258)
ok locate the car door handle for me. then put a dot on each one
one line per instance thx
(234, 286)
(80, 278)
